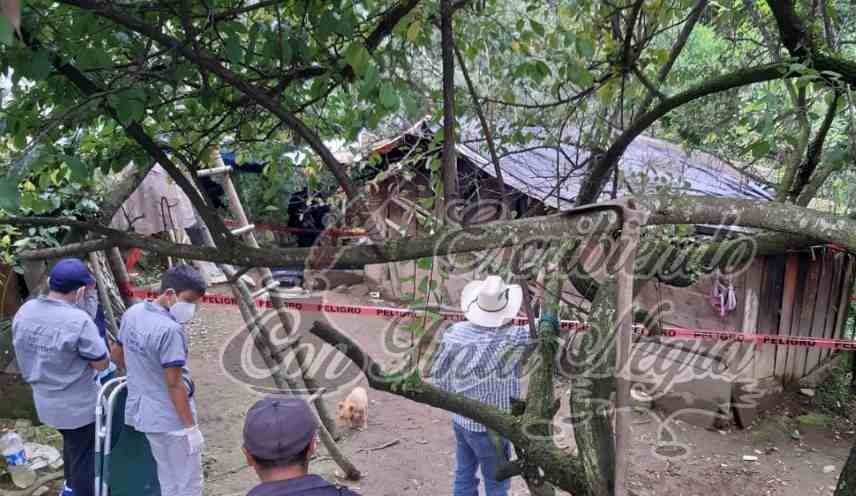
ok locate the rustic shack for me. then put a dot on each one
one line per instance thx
(798, 294)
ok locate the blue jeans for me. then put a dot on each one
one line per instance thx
(474, 450)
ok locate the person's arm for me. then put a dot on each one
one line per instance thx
(178, 394)
(91, 347)
(441, 373)
(117, 354)
(173, 357)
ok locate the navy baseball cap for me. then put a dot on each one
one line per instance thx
(278, 428)
(69, 274)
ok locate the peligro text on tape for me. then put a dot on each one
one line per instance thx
(565, 325)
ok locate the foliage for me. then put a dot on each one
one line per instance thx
(835, 395)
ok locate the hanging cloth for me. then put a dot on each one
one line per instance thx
(722, 295)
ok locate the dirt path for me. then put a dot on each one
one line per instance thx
(423, 459)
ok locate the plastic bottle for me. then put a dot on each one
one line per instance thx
(19, 467)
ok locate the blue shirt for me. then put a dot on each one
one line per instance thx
(481, 363)
(153, 341)
(307, 485)
(54, 343)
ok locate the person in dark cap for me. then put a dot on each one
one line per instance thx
(279, 439)
(60, 351)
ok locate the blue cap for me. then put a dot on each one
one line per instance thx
(69, 274)
(278, 428)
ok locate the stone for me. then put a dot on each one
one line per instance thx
(829, 469)
(750, 458)
(807, 392)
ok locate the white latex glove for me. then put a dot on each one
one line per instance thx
(195, 441)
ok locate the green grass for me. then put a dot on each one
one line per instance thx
(815, 419)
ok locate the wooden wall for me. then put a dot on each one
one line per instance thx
(816, 290)
(800, 294)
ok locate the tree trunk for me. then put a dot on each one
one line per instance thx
(591, 364)
(448, 157)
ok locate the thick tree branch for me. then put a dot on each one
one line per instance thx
(559, 469)
(594, 220)
(792, 219)
(601, 169)
(806, 171)
(448, 157)
(797, 38)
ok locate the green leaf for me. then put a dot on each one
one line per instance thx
(580, 75)
(414, 31)
(388, 97)
(129, 105)
(10, 197)
(760, 149)
(411, 105)
(585, 47)
(79, 172)
(424, 263)
(7, 32)
(357, 57)
(40, 65)
(234, 51)
(537, 27)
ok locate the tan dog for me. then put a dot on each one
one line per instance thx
(355, 409)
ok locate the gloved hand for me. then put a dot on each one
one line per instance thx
(195, 441)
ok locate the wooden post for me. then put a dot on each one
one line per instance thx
(103, 295)
(120, 275)
(624, 340)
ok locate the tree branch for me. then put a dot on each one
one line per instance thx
(208, 62)
(806, 171)
(601, 170)
(488, 134)
(785, 218)
(448, 156)
(592, 220)
(558, 467)
(136, 132)
(677, 48)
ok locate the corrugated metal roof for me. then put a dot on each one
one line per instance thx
(648, 166)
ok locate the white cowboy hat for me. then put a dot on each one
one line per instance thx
(491, 303)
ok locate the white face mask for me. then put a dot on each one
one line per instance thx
(183, 311)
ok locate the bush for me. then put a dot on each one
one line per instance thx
(834, 395)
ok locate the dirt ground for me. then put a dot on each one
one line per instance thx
(420, 455)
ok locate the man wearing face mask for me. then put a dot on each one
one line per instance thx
(59, 352)
(152, 346)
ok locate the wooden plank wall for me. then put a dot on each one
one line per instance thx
(814, 298)
(797, 294)
(770, 293)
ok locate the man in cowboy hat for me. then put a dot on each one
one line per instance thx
(480, 359)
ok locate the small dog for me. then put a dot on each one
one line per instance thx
(355, 409)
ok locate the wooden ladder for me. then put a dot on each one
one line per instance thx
(245, 229)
